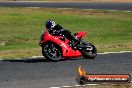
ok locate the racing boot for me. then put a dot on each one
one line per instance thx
(76, 43)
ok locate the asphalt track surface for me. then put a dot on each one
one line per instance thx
(39, 73)
(80, 5)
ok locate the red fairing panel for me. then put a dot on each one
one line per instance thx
(81, 34)
(66, 49)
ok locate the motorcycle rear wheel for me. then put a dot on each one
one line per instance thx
(51, 52)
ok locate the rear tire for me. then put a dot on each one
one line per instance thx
(52, 52)
(89, 53)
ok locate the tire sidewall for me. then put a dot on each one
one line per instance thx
(87, 55)
(49, 57)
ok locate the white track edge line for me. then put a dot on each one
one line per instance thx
(116, 52)
(66, 86)
(78, 85)
(128, 11)
(98, 53)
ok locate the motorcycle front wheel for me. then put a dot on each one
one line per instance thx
(89, 51)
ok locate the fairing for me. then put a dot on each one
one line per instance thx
(67, 50)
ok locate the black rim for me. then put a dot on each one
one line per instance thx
(91, 50)
(52, 51)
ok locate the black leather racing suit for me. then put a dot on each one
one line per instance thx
(59, 30)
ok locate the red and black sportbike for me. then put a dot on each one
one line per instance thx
(58, 47)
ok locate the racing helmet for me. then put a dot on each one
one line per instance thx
(50, 24)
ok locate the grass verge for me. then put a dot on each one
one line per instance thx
(20, 28)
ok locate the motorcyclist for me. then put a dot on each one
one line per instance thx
(56, 29)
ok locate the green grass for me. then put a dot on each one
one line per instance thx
(20, 28)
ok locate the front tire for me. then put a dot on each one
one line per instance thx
(89, 52)
(51, 52)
